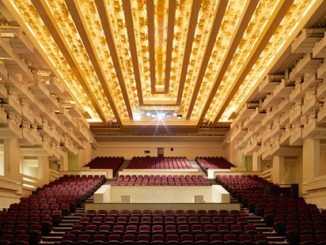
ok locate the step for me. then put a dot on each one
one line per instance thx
(71, 217)
(70, 220)
(66, 224)
(62, 228)
(56, 233)
(51, 238)
(47, 242)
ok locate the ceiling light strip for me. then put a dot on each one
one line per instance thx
(284, 35)
(85, 37)
(160, 30)
(35, 29)
(205, 21)
(120, 34)
(139, 17)
(93, 24)
(190, 37)
(58, 13)
(151, 41)
(169, 44)
(281, 12)
(53, 29)
(182, 19)
(230, 25)
(133, 50)
(110, 42)
(258, 26)
(215, 28)
(252, 4)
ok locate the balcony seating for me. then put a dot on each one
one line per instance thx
(159, 163)
(113, 163)
(163, 227)
(301, 223)
(213, 163)
(34, 216)
(160, 180)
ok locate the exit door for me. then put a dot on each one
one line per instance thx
(160, 152)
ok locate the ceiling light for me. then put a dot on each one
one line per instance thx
(160, 116)
(137, 116)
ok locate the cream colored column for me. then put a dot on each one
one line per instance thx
(43, 170)
(310, 159)
(256, 162)
(278, 169)
(64, 163)
(12, 159)
(85, 155)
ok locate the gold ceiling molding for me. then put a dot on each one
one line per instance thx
(199, 59)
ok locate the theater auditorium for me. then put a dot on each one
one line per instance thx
(163, 122)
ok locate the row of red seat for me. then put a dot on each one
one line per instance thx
(159, 163)
(163, 220)
(35, 216)
(213, 163)
(161, 180)
(106, 163)
(285, 214)
(172, 238)
(169, 212)
(164, 228)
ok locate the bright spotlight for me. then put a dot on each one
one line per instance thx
(160, 116)
(137, 116)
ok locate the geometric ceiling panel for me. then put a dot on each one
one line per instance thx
(137, 62)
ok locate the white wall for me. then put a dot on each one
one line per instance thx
(162, 194)
(129, 149)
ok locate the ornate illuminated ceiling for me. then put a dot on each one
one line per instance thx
(192, 61)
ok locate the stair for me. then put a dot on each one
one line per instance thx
(64, 226)
(261, 226)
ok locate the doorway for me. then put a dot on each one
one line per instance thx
(160, 152)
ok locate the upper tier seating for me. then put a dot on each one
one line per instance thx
(164, 227)
(106, 163)
(35, 215)
(213, 163)
(301, 223)
(159, 163)
(172, 180)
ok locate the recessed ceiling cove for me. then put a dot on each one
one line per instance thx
(138, 62)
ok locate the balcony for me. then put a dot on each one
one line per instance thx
(285, 136)
(296, 134)
(269, 83)
(306, 65)
(310, 81)
(319, 50)
(255, 117)
(321, 73)
(306, 40)
(310, 103)
(295, 112)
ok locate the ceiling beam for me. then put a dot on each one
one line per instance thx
(100, 4)
(190, 38)
(53, 28)
(151, 41)
(209, 48)
(84, 35)
(169, 44)
(133, 48)
(236, 40)
(265, 39)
